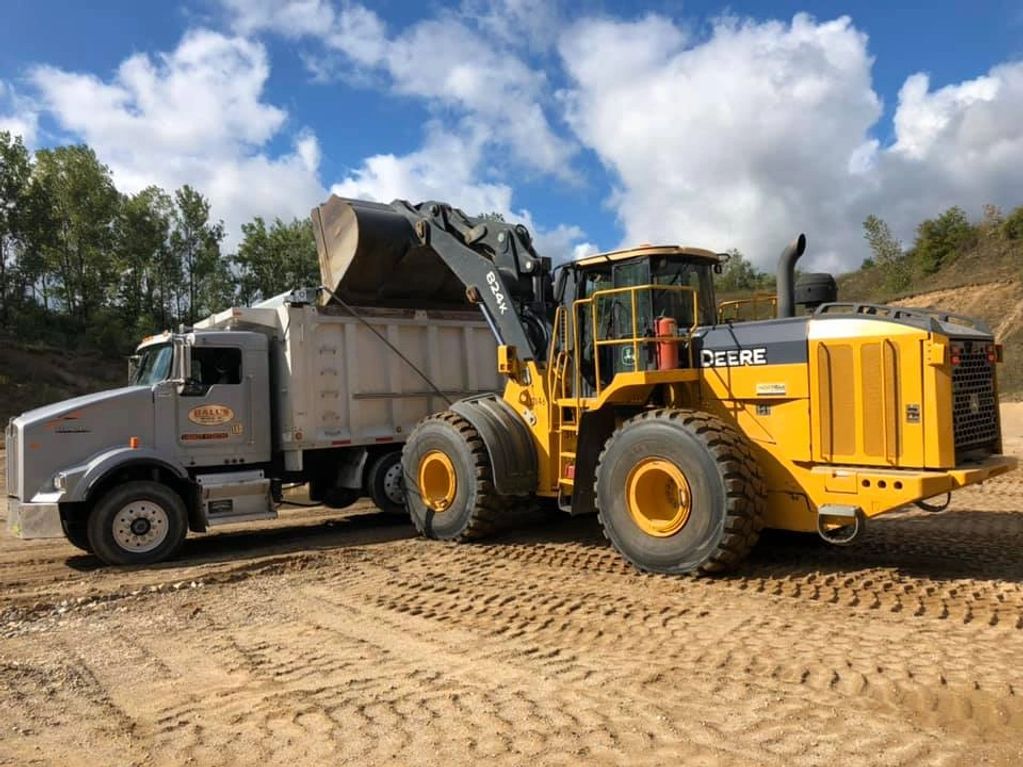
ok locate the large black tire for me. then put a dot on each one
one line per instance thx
(119, 536)
(714, 516)
(475, 508)
(385, 484)
(77, 533)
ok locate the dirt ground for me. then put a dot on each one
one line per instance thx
(326, 638)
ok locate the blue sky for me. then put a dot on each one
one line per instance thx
(597, 123)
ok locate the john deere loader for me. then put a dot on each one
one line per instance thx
(627, 394)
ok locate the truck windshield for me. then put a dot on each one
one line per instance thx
(154, 364)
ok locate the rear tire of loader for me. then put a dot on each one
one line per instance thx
(449, 487)
(680, 491)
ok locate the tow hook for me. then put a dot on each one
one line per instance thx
(840, 534)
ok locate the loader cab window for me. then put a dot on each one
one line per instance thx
(214, 366)
(691, 274)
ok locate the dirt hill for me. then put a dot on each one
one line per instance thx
(31, 376)
(985, 282)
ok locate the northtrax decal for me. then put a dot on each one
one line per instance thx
(732, 358)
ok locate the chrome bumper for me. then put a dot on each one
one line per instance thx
(33, 520)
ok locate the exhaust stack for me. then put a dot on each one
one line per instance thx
(787, 276)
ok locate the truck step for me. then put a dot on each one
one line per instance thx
(237, 496)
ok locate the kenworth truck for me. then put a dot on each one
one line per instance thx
(218, 419)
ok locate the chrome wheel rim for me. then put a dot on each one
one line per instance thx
(394, 487)
(140, 526)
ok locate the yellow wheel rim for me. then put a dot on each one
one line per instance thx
(437, 481)
(658, 496)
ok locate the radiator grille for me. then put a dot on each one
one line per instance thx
(974, 403)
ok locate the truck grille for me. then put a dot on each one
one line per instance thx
(11, 448)
(974, 401)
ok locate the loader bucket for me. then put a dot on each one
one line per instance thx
(370, 256)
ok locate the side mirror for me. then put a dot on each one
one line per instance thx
(182, 366)
(133, 367)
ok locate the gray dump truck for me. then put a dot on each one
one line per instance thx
(317, 387)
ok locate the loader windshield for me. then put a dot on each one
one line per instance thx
(673, 271)
(154, 364)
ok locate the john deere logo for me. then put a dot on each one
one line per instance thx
(210, 415)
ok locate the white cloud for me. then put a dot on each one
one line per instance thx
(453, 61)
(958, 145)
(18, 115)
(741, 140)
(443, 169)
(195, 115)
(446, 169)
(763, 130)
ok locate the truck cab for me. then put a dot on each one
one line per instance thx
(194, 412)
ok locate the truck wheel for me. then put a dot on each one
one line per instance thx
(137, 523)
(77, 533)
(339, 497)
(449, 486)
(385, 484)
(678, 491)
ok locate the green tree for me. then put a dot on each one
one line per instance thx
(83, 204)
(195, 245)
(142, 232)
(15, 184)
(274, 259)
(1012, 227)
(887, 253)
(939, 240)
(739, 275)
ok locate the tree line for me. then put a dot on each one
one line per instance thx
(937, 243)
(82, 262)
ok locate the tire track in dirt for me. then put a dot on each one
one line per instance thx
(820, 652)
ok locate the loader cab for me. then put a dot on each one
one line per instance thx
(633, 310)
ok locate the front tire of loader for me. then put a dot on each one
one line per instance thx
(679, 491)
(449, 487)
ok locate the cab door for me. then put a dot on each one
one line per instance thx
(219, 421)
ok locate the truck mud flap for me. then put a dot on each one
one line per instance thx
(508, 441)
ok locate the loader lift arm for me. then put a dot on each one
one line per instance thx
(406, 250)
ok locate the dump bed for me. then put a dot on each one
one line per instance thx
(336, 382)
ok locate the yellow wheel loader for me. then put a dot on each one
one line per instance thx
(628, 394)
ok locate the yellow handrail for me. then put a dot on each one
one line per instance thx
(755, 301)
(684, 333)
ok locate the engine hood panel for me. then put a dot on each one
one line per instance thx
(68, 433)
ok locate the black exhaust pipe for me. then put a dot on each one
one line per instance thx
(787, 276)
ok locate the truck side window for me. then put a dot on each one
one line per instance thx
(213, 365)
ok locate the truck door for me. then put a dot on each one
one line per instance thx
(215, 418)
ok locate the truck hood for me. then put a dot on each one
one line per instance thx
(68, 406)
(55, 437)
